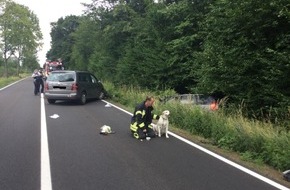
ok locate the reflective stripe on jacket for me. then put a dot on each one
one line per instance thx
(142, 117)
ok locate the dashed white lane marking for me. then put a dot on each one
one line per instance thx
(45, 181)
(254, 174)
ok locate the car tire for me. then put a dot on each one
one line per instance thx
(83, 99)
(50, 101)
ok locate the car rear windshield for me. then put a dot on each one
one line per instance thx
(61, 77)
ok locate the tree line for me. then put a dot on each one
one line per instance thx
(236, 49)
(20, 38)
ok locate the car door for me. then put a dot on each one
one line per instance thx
(87, 84)
(96, 87)
(82, 83)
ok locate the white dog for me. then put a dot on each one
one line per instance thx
(162, 125)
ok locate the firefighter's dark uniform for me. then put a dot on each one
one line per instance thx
(141, 120)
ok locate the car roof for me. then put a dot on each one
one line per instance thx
(69, 71)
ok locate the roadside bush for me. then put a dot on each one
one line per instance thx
(221, 133)
(276, 151)
(5, 81)
(226, 142)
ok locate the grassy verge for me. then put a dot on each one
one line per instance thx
(262, 144)
(6, 81)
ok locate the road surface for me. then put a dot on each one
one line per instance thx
(58, 146)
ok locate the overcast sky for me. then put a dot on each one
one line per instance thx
(49, 11)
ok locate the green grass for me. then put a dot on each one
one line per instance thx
(6, 81)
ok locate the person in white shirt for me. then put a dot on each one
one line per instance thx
(37, 80)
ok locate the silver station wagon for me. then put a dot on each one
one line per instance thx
(72, 85)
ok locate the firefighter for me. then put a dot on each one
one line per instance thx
(142, 118)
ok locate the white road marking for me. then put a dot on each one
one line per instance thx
(12, 84)
(108, 105)
(54, 116)
(254, 174)
(118, 108)
(45, 183)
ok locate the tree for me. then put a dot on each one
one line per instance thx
(245, 54)
(112, 32)
(143, 61)
(30, 62)
(26, 33)
(20, 32)
(62, 40)
(5, 35)
(85, 41)
(233, 48)
(178, 26)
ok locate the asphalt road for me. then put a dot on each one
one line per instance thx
(82, 159)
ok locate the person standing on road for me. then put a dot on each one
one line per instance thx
(142, 118)
(41, 83)
(37, 78)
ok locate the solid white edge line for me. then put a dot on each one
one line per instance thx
(45, 181)
(118, 108)
(12, 84)
(254, 174)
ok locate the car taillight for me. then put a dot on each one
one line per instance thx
(74, 87)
